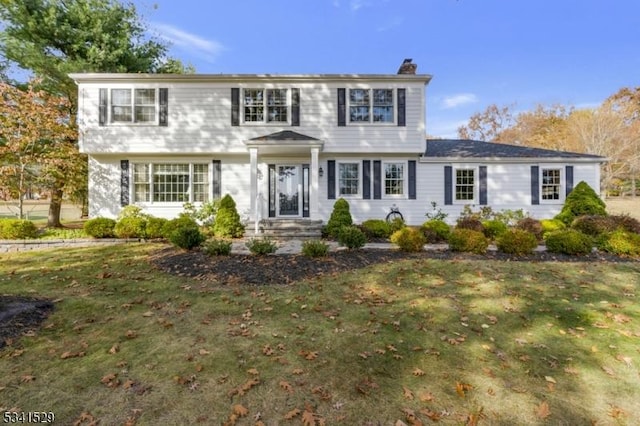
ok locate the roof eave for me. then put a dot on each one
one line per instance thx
(457, 159)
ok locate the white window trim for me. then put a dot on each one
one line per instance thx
(349, 196)
(151, 163)
(405, 180)
(394, 114)
(476, 184)
(265, 122)
(156, 120)
(563, 183)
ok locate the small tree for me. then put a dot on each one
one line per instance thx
(580, 201)
(340, 216)
(227, 222)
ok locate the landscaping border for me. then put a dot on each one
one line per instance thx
(12, 246)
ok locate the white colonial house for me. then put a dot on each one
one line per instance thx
(287, 146)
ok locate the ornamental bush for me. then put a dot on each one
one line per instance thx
(409, 239)
(436, 230)
(217, 247)
(130, 227)
(182, 221)
(100, 227)
(626, 222)
(261, 246)
(351, 237)
(582, 200)
(131, 211)
(532, 225)
(315, 248)
(17, 229)
(376, 228)
(470, 222)
(568, 241)
(468, 240)
(620, 242)
(340, 216)
(594, 225)
(155, 227)
(227, 221)
(550, 225)
(517, 241)
(494, 228)
(186, 237)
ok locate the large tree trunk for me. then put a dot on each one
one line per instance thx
(55, 208)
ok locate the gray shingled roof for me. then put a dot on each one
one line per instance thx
(285, 135)
(464, 148)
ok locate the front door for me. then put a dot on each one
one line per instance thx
(288, 190)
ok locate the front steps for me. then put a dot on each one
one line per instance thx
(285, 228)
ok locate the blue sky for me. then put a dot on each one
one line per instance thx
(479, 52)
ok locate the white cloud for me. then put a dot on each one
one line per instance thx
(203, 48)
(358, 4)
(444, 128)
(454, 101)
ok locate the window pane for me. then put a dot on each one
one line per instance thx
(253, 105)
(394, 178)
(145, 105)
(200, 182)
(383, 106)
(465, 185)
(120, 105)
(140, 182)
(550, 184)
(171, 183)
(277, 105)
(359, 105)
(348, 178)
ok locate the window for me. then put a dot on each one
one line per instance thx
(550, 184)
(465, 185)
(371, 105)
(266, 105)
(137, 105)
(394, 179)
(348, 179)
(170, 183)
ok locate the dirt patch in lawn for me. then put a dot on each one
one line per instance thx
(20, 316)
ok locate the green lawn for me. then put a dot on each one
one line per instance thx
(462, 342)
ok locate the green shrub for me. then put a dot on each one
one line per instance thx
(261, 246)
(315, 248)
(436, 213)
(436, 231)
(626, 222)
(17, 229)
(509, 217)
(470, 222)
(468, 240)
(182, 221)
(409, 239)
(155, 227)
(340, 216)
(376, 228)
(217, 247)
(227, 222)
(205, 214)
(568, 241)
(100, 227)
(131, 211)
(582, 200)
(396, 225)
(620, 242)
(593, 225)
(130, 227)
(351, 237)
(517, 241)
(494, 228)
(186, 237)
(532, 225)
(550, 225)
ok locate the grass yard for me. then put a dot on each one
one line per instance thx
(624, 205)
(416, 341)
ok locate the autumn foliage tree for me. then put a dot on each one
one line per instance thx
(36, 141)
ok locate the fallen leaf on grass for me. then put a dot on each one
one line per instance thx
(240, 410)
(69, 354)
(609, 371)
(407, 393)
(27, 378)
(543, 410)
(418, 372)
(114, 349)
(286, 386)
(292, 414)
(462, 388)
(253, 372)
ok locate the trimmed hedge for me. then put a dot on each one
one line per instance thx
(582, 200)
(494, 228)
(340, 217)
(409, 239)
(468, 240)
(436, 230)
(569, 241)
(621, 243)
(131, 227)
(17, 229)
(517, 241)
(314, 248)
(376, 228)
(351, 237)
(100, 227)
(227, 221)
(261, 246)
(217, 247)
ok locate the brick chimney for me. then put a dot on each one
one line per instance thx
(408, 67)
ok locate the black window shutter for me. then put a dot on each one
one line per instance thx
(448, 185)
(235, 106)
(402, 106)
(272, 190)
(331, 179)
(412, 179)
(216, 183)
(568, 176)
(295, 107)
(535, 185)
(342, 107)
(377, 180)
(164, 106)
(366, 179)
(482, 171)
(102, 108)
(124, 183)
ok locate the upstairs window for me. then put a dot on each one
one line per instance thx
(133, 105)
(371, 105)
(551, 182)
(266, 106)
(465, 185)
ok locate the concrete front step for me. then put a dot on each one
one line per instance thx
(285, 228)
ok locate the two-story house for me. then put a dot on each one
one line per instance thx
(288, 146)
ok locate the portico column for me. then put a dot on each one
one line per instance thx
(313, 190)
(253, 157)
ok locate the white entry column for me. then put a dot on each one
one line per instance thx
(253, 157)
(313, 190)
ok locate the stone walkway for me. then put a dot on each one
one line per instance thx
(294, 246)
